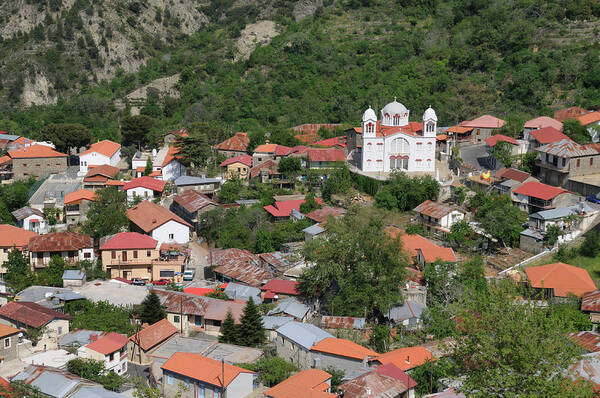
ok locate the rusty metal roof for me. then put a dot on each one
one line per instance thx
(586, 339)
(240, 265)
(567, 149)
(591, 301)
(342, 322)
(434, 209)
(193, 201)
(206, 307)
(59, 241)
(373, 384)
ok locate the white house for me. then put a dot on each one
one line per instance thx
(30, 219)
(103, 152)
(110, 349)
(172, 166)
(145, 187)
(394, 143)
(158, 222)
(439, 215)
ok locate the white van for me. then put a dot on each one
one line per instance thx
(188, 274)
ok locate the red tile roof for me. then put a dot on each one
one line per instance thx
(588, 118)
(561, 277)
(484, 122)
(493, 140)
(406, 358)
(30, 314)
(326, 155)
(569, 113)
(332, 142)
(266, 148)
(412, 244)
(538, 190)
(391, 370)
(281, 286)
(385, 383)
(543, 122)
(5, 159)
(192, 201)
(207, 370)
(179, 133)
(458, 129)
(109, 343)
(198, 291)
(129, 240)
(238, 143)
(145, 182)
(171, 155)
(433, 254)
(244, 159)
(434, 209)
(154, 334)
(284, 208)
(320, 215)
(149, 216)
(106, 148)
(104, 170)
(79, 195)
(59, 241)
(512, 174)
(6, 331)
(343, 348)
(271, 166)
(36, 151)
(282, 150)
(548, 135)
(590, 341)
(11, 236)
(115, 183)
(311, 383)
(591, 301)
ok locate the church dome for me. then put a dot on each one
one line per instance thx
(394, 108)
(429, 114)
(369, 115)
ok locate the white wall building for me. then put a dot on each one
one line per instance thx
(394, 143)
(100, 153)
(172, 232)
(111, 349)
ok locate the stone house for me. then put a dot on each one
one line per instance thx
(559, 161)
(110, 349)
(12, 237)
(77, 205)
(438, 216)
(71, 246)
(483, 127)
(10, 339)
(36, 161)
(73, 277)
(190, 205)
(234, 146)
(237, 167)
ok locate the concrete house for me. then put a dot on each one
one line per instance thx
(560, 161)
(206, 377)
(591, 121)
(190, 205)
(100, 153)
(110, 349)
(13, 237)
(30, 219)
(234, 146)
(36, 161)
(483, 127)
(543, 136)
(77, 205)
(9, 341)
(291, 307)
(71, 246)
(159, 223)
(534, 196)
(207, 186)
(147, 339)
(438, 216)
(172, 166)
(237, 167)
(146, 187)
(294, 341)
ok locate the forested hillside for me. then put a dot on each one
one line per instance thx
(514, 59)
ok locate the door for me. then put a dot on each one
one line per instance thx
(126, 274)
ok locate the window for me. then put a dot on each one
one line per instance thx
(135, 254)
(171, 236)
(564, 161)
(148, 253)
(176, 318)
(87, 255)
(113, 254)
(59, 330)
(167, 274)
(591, 161)
(187, 383)
(198, 320)
(111, 357)
(578, 162)
(124, 368)
(169, 378)
(7, 342)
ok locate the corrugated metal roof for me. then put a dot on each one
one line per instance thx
(25, 212)
(434, 209)
(342, 322)
(274, 322)
(95, 392)
(235, 291)
(77, 274)
(53, 382)
(410, 309)
(78, 337)
(290, 306)
(591, 301)
(588, 368)
(191, 180)
(303, 334)
(562, 212)
(566, 149)
(589, 340)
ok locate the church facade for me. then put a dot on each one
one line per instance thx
(394, 143)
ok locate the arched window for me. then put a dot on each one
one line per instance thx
(400, 145)
(405, 163)
(396, 120)
(392, 163)
(370, 128)
(429, 127)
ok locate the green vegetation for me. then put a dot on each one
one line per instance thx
(100, 316)
(405, 193)
(575, 131)
(13, 197)
(18, 271)
(66, 135)
(250, 332)
(151, 311)
(271, 370)
(95, 371)
(503, 152)
(106, 215)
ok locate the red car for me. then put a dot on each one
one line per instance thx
(161, 282)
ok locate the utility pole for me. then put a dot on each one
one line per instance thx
(223, 378)
(181, 314)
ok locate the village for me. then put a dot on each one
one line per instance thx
(340, 267)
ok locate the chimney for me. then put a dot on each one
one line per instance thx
(408, 359)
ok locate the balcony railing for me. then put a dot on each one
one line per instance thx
(550, 166)
(140, 261)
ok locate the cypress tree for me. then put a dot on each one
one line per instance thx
(152, 311)
(229, 330)
(251, 330)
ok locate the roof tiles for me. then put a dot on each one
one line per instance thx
(548, 135)
(406, 358)
(561, 277)
(311, 383)
(512, 174)
(543, 122)
(79, 195)
(127, 241)
(238, 143)
(493, 140)
(343, 348)
(244, 159)
(149, 216)
(36, 151)
(284, 208)
(145, 182)
(538, 190)
(105, 147)
(30, 314)
(154, 334)
(109, 343)
(204, 369)
(484, 122)
(11, 236)
(326, 155)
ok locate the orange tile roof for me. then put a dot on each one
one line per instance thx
(343, 348)
(561, 277)
(569, 113)
(13, 236)
(438, 252)
(458, 129)
(36, 151)
(115, 182)
(588, 118)
(145, 182)
(4, 159)
(238, 143)
(412, 244)
(6, 331)
(204, 369)
(266, 148)
(105, 147)
(171, 155)
(109, 343)
(406, 358)
(543, 121)
(484, 122)
(154, 334)
(493, 140)
(149, 216)
(311, 383)
(79, 195)
(103, 170)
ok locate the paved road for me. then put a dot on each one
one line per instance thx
(478, 157)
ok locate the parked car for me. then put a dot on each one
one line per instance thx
(593, 198)
(138, 282)
(161, 282)
(188, 274)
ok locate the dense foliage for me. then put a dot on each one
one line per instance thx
(95, 371)
(106, 215)
(100, 316)
(151, 310)
(249, 332)
(405, 193)
(271, 370)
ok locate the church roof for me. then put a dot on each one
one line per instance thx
(394, 108)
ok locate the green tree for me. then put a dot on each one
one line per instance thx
(51, 275)
(528, 162)
(148, 168)
(100, 316)
(575, 131)
(135, 129)
(358, 269)
(106, 215)
(35, 334)
(151, 310)
(309, 204)
(95, 371)
(337, 378)
(229, 330)
(405, 193)
(499, 217)
(428, 375)
(591, 245)
(251, 331)
(289, 166)
(503, 152)
(18, 271)
(462, 235)
(380, 338)
(271, 370)
(553, 232)
(20, 389)
(66, 135)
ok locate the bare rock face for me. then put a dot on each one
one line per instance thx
(254, 35)
(37, 91)
(164, 87)
(304, 8)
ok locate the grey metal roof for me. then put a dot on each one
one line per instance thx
(314, 230)
(53, 382)
(532, 234)
(290, 306)
(296, 215)
(76, 274)
(78, 338)
(236, 291)
(69, 296)
(41, 293)
(247, 202)
(410, 309)
(191, 180)
(9, 137)
(273, 322)
(95, 392)
(304, 334)
(25, 212)
(561, 212)
(510, 183)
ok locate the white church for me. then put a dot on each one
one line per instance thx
(394, 143)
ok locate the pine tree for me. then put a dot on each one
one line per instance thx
(229, 330)
(148, 168)
(251, 330)
(152, 311)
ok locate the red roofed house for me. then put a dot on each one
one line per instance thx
(335, 142)
(439, 216)
(590, 303)
(98, 177)
(238, 265)
(280, 211)
(175, 135)
(404, 358)
(77, 205)
(546, 135)
(100, 153)
(276, 289)
(268, 172)
(483, 127)
(560, 280)
(591, 121)
(569, 113)
(237, 167)
(147, 339)
(190, 205)
(158, 222)
(145, 187)
(71, 246)
(384, 381)
(310, 383)
(134, 255)
(36, 160)
(10, 340)
(540, 123)
(172, 165)
(341, 353)
(534, 196)
(26, 315)
(205, 377)
(110, 349)
(11, 237)
(422, 250)
(265, 152)
(322, 158)
(234, 146)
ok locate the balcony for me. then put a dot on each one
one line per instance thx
(140, 261)
(551, 166)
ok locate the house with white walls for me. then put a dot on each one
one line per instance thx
(98, 154)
